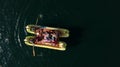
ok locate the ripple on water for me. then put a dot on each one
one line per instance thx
(0, 65)
(1, 50)
(7, 40)
(0, 36)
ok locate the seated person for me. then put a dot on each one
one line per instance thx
(49, 37)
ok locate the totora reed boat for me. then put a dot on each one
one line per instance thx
(46, 37)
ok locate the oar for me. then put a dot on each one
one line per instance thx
(33, 51)
(33, 48)
(39, 17)
(36, 21)
(32, 42)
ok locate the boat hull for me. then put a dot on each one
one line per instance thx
(62, 45)
(64, 32)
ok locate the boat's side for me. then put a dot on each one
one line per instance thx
(62, 45)
(65, 32)
(28, 27)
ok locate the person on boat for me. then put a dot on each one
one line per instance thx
(50, 37)
(54, 37)
(46, 37)
(39, 35)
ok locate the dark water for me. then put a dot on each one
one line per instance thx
(89, 23)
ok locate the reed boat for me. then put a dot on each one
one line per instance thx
(63, 32)
(59, 46)
(46, 37)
